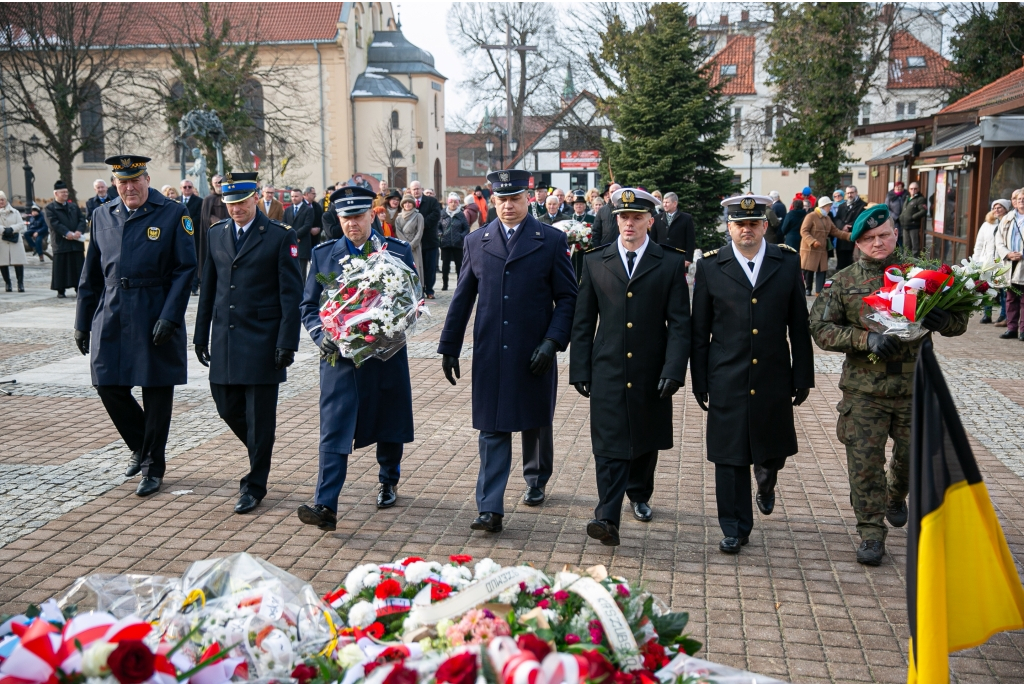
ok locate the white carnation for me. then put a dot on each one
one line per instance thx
(355, 577)
(417, 571)
(351, 656)
(94, 660)
(371, 580)
(485, 567)
(456, 576)
(412, 621)
(361, 615)
(509, 596)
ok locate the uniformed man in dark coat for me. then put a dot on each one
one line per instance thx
(520, 269)
(131, 303)
(358, 406)
(251, 293)
(636, 362)
(748, 298)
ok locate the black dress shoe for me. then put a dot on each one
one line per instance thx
(896, 513)
(986, 319)
(642, 512)
(318, 515)
(487, 521)
(61, 296)
(148, 485)
(533, 496)
(731, 545)
(766, 502)
(1007, 334)
(134, 465)
(870, 552)
(246, 503)
(386, 496)
(606, 532)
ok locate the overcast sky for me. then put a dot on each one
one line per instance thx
(423, 23)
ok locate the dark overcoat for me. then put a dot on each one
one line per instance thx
(252, 300)
(680, 233)
(137, 271)
(302, 222)
(644, 336)
(741, 356)
(527, 292)
(374, 402)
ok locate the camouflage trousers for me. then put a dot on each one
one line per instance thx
(865, 424)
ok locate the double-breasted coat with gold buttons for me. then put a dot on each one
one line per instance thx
(643, 336)
(751, 350)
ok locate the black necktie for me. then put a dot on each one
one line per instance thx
(751, 265)
(630, 256)
(238, 237)
(508, 235)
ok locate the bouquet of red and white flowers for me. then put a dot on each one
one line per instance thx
(372, 308)
(913, 289)
(579, 235)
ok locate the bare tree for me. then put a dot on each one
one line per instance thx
(58, 61)
(386, 149)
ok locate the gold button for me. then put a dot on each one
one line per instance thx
(629, 325)
(629, 385)
(629, 355)
(755, 361)
(752, 391)
(755, 331)
(629, 294)
(754, 301)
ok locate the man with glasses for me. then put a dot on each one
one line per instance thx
(877, 394)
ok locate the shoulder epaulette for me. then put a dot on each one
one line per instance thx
(329, 242)
(397, 240)
(784, 246)
(598, 247)
(677, 249)
(712, 253)
(280, 224)
(222, 221)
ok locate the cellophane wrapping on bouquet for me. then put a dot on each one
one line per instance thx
(579, 235)
(372, 307)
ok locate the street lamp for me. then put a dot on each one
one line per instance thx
(512, 145)
(30, 177)
(489, 145)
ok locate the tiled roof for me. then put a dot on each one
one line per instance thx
(1009, 87)
(738, 52)
(934, 73)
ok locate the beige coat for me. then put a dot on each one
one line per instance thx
(1003, 242)
(814, 232)
(410, 230)
(12, 254)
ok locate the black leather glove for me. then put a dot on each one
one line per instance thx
(450, 365)
(800, 395)
(82, 340)
(203, 354)
(702, 399)
(542, 357)
(327, 346)
(936, 320)
(667, 387)
(885, 346)
(583, 388)
(162, 331)
(283, 358)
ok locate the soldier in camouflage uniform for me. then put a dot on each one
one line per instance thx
(876, 400)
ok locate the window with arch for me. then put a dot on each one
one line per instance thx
(394, 118)
(359, 28)
(92, 127)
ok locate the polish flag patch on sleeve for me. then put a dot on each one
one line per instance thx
(295, 251)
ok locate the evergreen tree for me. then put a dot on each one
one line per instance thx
(986, 46)
(671, 125)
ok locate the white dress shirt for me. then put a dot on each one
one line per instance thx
(758, 260)
(244, 228)
(509, 228)
(636, 260)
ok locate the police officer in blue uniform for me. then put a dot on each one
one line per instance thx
(521, 271)
(131, 304)
(358, 406)
(253, 284)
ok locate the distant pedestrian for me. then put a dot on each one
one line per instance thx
(894, 199)
(790, 229)
(67, 226)
(270, 205)
(37, 232)
(551, 214)
(212, 211)
(409, 227)
(300, 215)
(100, 198)
(848, 217)
(1010, 244)
(190, 198)
(778, 206)
(986, 252)
(12, 249)
(454, 230)
(430, 246)
(170, 192)
(816, 231)
(913, 212)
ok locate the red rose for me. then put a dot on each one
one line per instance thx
(654, 655)
(388, 588)
(528, 642)
(461, 668)
(622, 590)
(543, 604)
(460, 558)
(572, 639)
(439, 591)
(131, 662)
(945, 268)
(599, 669)
(561, 596)
(304, 673)
(931, 287)
(401, 674)
(982, 287)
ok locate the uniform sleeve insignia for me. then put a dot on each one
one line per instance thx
(828, 283)
(186, 223)
(788, 248)
(295, 251)
(711, 253)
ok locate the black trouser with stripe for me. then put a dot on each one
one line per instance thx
(143, 430)
(617, 478)
(251, 413)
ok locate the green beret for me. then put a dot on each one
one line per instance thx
(870, 218)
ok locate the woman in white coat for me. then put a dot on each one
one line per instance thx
(985, 249)
(12, 248)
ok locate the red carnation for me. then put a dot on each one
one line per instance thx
(561, 596)
(572, 639)
(654, 655)
(982, 287)
(131, 662)
(528, 642)
(374, 630)
(401, 674)
(439, 591)
(461, 668)
(599, 669)
(388, 588)
(946, 269)
(544, 604)
(304, 673)
(931, 287)
(460, 558)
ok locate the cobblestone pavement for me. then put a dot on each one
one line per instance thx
(794, 605)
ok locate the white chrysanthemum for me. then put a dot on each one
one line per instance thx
(354, 579)
(535, 582)
(94, 660)
(371, 580)
(509, 596)
(485, 567)
(361, 615)
(417, 571)
(456, 576)
(351, 656)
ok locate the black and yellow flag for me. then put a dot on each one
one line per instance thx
(962, 585)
